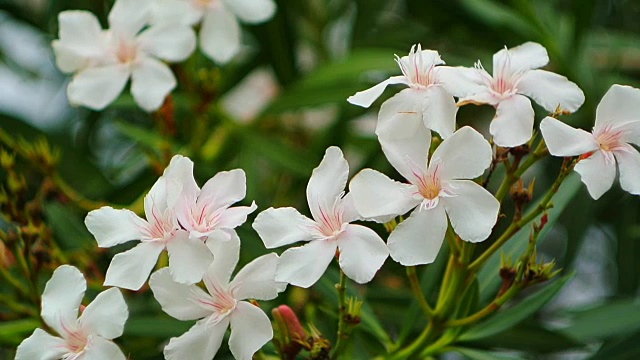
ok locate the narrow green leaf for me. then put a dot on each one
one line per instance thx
(531, 337)
(296, 161)
(475, 354)
(615, 318)
(156, 327)
(13, 332)
(68, 228)
(145, 137)
(627, 348)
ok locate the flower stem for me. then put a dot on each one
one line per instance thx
(417, 292)
(343, 336)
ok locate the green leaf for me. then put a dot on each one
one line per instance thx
(13, 332)
(529, 337)
(475, 354)
(156, 327)
(68, 228)
(627, 348)
(508, 318)
(498, 15)
(145, 137)
(615, 318)
(280, 153)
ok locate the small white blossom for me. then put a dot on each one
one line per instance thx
(222, 306)
(617, 126)
(103, 60)
(88, 337)
(362, 251)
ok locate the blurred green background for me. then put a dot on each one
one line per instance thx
(276, 108)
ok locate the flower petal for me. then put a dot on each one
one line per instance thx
(461, 81)
(155, 202)
(61, 298)
(103, 349)
(233, 217)
(176, 11)
(170, 42)
(327, 182)
(81, 39)
(473, 211)
(250, 330)
(41, 346)
(220, 35)
(513, 124)
(257, 279)
(597, 173)
(303, 266)
(151, 82)
(377, 196)
(178, 300)
(130, 269)
(551, 90)
(418, 239)
(180, 170)
(111, 227)
(349, 211)
(189, 258)
(362, 253)
(128, 17)
(283, 226)
(619, 105)
(463, 155)
(629, 167)
(201, 342)
(563, 140)
(523, 57)
(106, 314)
(225, 255)
(366, 97)
(252, 11)
(400, 110)
(97, 87)
(224, 189)
(439, 111)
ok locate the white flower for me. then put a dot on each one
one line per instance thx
(103, 61)
(514, 75)
(188, 257)
(220, 34)
(425, 98)
(221, 306)
(87, 337)
(362, 251)
(436, 189)
(207, 213)
(617, 127)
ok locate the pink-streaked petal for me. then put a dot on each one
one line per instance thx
(439, 111)
(106, 314)
(103, 349)
(513, 124)
(257, 279)
(402, 134)
(220, 35)
(151, 82)
(170, 42)
(111, 227)
(473, 211)
(224, 189)
(523, 57)
(250, 330)
(128, 17)
(377, 197)
(201, 342)
(226, 252)
(563, 140)
(189, 258)
(130, 269)
(327, 182)
(233, 217)
(252, 11)
(629, 167)
(464, 155)
(362, 253)
(621, 104)
(551, 90)
(597, 173)
(41, 346)
(303, 266)
(418, 239)
(61, 299)
(178, 300)
(97, 87)
(283, 226)
(366, 97)
(461, 81)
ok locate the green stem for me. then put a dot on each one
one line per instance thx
(514, 173)
(487, 310)
(342, 337)
(417, 292)
(9, 279)
(417, 344)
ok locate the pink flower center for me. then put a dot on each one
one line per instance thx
(221, 303)
(415, 70)
(126, 52)
(330, 222)
(608, 139)
(202, 219)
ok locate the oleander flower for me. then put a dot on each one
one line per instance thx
(426, 97)
(87, 337)
(437, 189)
(222, 305)
(362, 251)
(515, 76)
(220, 33)
(189, 257)
(103, 61)
(617, 127)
